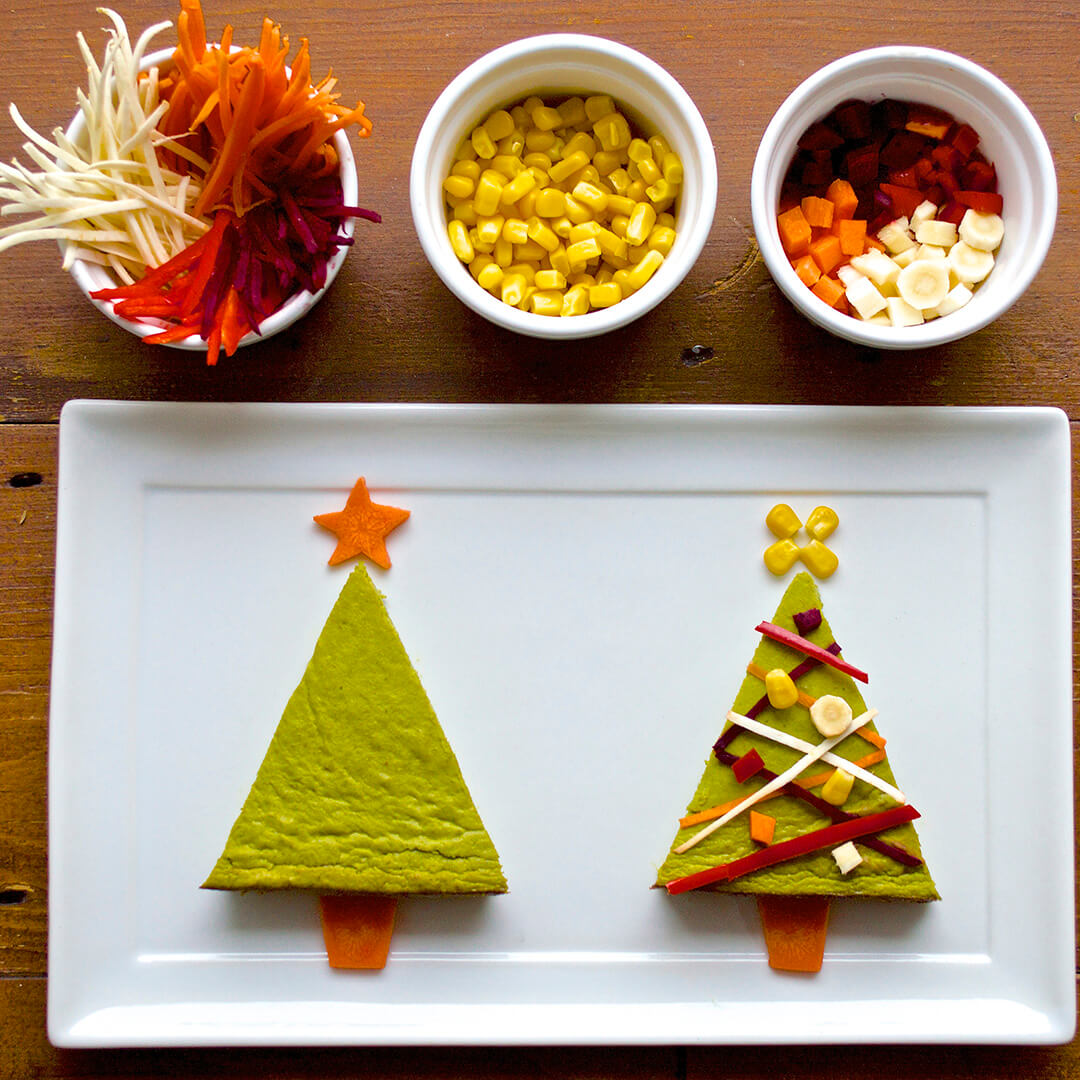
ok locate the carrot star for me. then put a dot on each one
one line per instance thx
(362, 527)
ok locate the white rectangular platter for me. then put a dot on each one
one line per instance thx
(578, 588)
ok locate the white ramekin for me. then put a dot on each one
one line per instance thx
(561, 65)
(1009, 137)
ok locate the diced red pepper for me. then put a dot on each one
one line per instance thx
(953, 211)
(746, 766)
(944, 180)
(904, 177)
(947, 157)
(978, 176)
(986, 202)
(904, 199)
(923, 168)
(964, 140)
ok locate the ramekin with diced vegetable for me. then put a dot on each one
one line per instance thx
(938, 187)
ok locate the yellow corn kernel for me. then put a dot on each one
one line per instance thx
(512, 289)
(515, 230)
(584, 231)
(782, 521)
(661, 239)
(461, 187)
(780, 557)
(604, 274)
(488, 194)
(822, 522)
(606, 162)
(513, 144)
(537, 140)
(517, 188)
(524, 304)
(635, 191)
(597, 106)
(542, 234)
(781, 689)
(635, 254)
(466, 167)
(507, 166)
(588, 175)
(576, 211)
(613, 131)
(818, 559)
(477, 243)
(490, 277)
(620, 204)
(650, 263)
(482, 144)
(525, 270)
(638, 150)
(465, 151)
(611, 245)
(453, 201)
(642, 220)
(550, 202)
(605, 295)
(498, 125)
(582, 141)
(622, 279)
(572, 112)
(546, 302)
(550, 279)
(838, 787)
(576, 300)
(618, 224)
(557, 148)
(580, 253)
(620, 181)
(503, 252)
(540, 177)
(560, 264)
(489, 229)
(649, 171)
(561, 226)
(582, 277)
(569, 165)
(660, 192)
(530, 251)
(659, 147)
(591, 196)
(459, 241)
(536, 160)
(525, 207)
(546, 118)
(478, 264)
(665, 219)
(520, 117)
(465, 212)
(672, 169)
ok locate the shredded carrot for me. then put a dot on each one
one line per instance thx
(357, 930)
(795, 929)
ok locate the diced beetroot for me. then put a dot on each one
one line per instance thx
(806, 621)
(861, 165)
(816, 174)
(820, 137)
(928, 121)
(948, 158)
(952, 212)
(978, 176)
(893, 113)
(986, 202)
(853, 119)
(879, 223)
(902, 150)
(904, 200)
(790, 195)
(904, 177)
(964, 140)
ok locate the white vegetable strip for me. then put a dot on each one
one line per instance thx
(803, 747)
(778, 782)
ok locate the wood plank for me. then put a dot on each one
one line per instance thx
(390, 331)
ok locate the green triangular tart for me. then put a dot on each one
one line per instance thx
(359, 791)
(815, 874)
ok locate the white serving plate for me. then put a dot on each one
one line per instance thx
(577, 587)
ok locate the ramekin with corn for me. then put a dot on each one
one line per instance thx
(563, 175)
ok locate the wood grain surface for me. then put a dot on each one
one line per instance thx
(389, 331)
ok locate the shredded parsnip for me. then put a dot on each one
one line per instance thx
(108, 198)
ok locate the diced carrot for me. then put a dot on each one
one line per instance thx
(818, 212)
(357, 930)
(842, 195)
(762, 827)
(795, 231)
(829, 289)
(826, 252)
(872, 242)
(852, 236)
(795, 930)
(807, 269)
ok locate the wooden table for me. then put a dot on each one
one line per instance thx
(389, 331)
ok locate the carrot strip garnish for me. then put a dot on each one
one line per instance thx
(830, 836)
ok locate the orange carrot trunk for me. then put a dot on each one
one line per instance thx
(357, 930)
(795, 929)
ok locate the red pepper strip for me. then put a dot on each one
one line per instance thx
(830, 836)
(174, 333)
(153, 279)
(794, 641)
(142, 306)
(206, 264)
(213, 346)
(232, 322)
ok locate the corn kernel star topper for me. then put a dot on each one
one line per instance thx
(362, 527)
